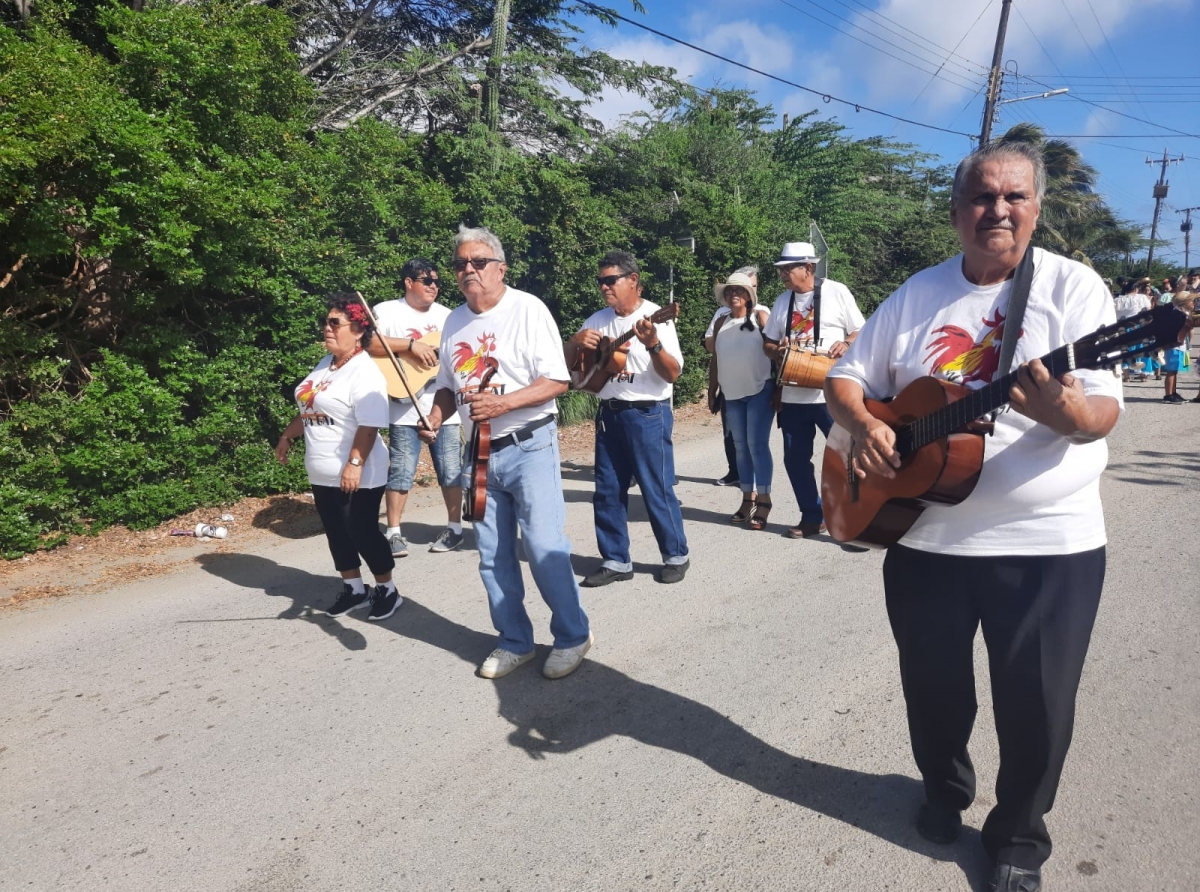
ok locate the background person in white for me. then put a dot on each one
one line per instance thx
(802, 409)
(731, 474)
(402, 323)
(1023, 556)
(342, 405)
(513, 331)
(634, 425)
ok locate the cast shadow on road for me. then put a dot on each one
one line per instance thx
(556, 718)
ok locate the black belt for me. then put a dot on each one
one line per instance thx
(622, 405)
(521, 435)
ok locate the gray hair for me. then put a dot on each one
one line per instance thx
(746, 270)
(1001, 149)
(483, 235)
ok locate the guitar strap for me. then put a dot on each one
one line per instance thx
(1015, 315)
(817, 313)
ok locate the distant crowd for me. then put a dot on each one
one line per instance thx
(1133, 296)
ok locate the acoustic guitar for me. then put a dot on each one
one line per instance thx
(417, 376)
(939, 434)
(475, 498)
(595, 368)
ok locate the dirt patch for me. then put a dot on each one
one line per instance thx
(89, 564)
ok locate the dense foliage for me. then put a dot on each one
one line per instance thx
(174, 202)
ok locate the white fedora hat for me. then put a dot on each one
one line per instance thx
(797, 252)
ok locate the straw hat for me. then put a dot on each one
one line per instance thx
(741, 280)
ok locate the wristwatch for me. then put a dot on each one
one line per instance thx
(655, 350)
(356, 461)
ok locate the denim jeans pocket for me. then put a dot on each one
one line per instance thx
(541, 439)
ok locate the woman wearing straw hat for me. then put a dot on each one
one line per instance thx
(744, 373)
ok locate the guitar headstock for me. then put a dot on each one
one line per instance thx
(493, 366)
(1154, 329)
(669, 313)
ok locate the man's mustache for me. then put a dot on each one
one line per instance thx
(1005, 224)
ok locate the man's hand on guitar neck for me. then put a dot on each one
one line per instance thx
(1061, 404)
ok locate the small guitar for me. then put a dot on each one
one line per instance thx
(939, 435)
(475, 501)
(595, 368)
(417, 377)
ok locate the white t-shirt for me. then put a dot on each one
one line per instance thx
(333, 406)
(742, 367)
(1037, 494)
(1131, 304)
(399, 320)
(639, 380)
(520, 336)
(840, 318)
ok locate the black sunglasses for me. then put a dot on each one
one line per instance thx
(334, 323)
(609, 281)
(480, 263)
(430, 281)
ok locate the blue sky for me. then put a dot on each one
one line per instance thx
(927, 60)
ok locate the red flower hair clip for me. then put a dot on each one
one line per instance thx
(357, 314)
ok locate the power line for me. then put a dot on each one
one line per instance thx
(956, 46)
(827, 97)
(1087, 42)
(981, 68)
(957, 83)
(1113, 111)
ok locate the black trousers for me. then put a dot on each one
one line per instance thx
(1037, 615)
(351, 521)
(730, 449)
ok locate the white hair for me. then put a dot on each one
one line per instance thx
(483, 235)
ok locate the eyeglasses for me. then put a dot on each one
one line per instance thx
(609, 281)
(733, 291)
(334, 323)
(432, 281)
(480, 263)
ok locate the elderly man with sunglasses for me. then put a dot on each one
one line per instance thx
(512, 335)
(634, 425)
(402, 324)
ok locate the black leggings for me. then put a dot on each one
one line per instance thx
(351, 521)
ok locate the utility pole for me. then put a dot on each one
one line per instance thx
(1186, 228)
(1160, 192)
(993, 91)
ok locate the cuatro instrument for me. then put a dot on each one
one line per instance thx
(416, 376)
(804, 368)
(940, 437)
(595, 368)
(475, 498)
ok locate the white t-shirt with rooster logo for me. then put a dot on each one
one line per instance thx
(840, 318)
(399, 320)
(519, 337)
(333, 405)
(1038, 493)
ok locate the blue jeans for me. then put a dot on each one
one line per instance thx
(635, 444)
(524, 488)
(799, 423)
(404, 448)
(750, 423)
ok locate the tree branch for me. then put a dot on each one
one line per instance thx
(345, 39)
(15, 269)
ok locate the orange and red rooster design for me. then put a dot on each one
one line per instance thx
(473, 362)
(802, 324)
(956, 352)
(307, 393)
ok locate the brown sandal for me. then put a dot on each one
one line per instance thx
(743, 513)
(758, 520)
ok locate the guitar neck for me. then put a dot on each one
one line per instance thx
(958, 414)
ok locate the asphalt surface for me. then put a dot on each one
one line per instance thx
(212, 730)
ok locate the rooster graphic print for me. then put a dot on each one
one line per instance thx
(960, 356)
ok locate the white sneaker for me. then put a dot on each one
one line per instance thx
(562, 663)
(501, 662)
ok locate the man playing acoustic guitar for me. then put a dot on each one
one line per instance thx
(402, 323)
(633, 427)
(512, 334)
(1022, 555)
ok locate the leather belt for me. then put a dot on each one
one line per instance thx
(520, 436)
(622, 405)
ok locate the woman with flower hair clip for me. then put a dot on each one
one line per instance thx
(343, 403)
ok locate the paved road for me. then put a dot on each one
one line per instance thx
(209, 730)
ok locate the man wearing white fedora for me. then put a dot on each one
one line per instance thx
(813, 315)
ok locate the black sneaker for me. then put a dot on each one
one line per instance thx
(1173, 398)
(604, 576)
(347, 601)
(727, 480)
(383, 603)
(674, 572)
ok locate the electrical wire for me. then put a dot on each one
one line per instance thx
(827, 97)
(984, 69)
